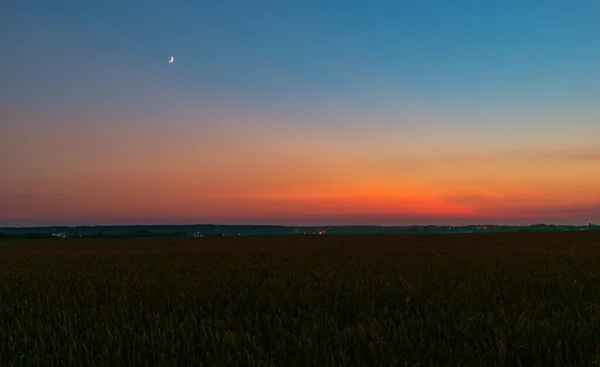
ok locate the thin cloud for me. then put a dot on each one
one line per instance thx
(514, 156)
(589, 155)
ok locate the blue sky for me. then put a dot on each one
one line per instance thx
(283, 53)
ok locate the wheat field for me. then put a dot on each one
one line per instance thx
(510, 299)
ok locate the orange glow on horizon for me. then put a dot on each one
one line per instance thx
(273, 170)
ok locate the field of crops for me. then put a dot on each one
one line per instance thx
(473, 299)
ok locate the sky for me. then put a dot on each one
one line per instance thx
(299, 113)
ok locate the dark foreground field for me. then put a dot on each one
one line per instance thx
(497, 299)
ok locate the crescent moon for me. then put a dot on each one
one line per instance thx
(172, 59)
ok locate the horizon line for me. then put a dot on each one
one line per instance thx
(302, 226)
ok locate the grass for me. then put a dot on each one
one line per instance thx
(530, 299)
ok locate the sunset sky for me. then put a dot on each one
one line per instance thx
(299, 112)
